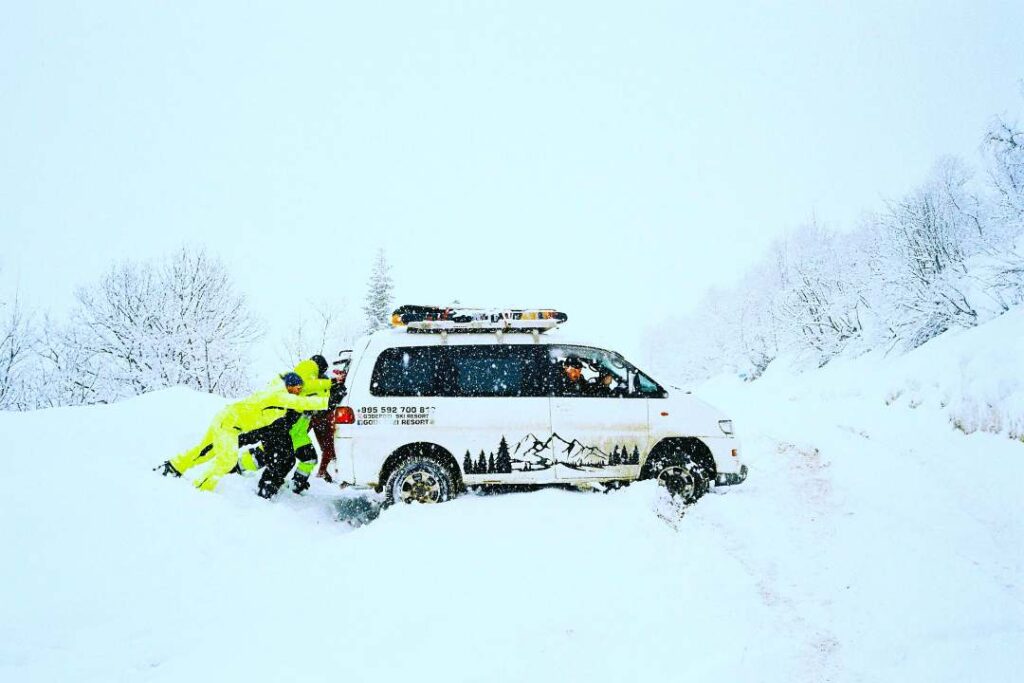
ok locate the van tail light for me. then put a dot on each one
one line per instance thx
(344, 415)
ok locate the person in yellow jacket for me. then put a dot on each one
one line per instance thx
(220, 445)
(286, 442)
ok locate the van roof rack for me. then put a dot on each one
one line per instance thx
(479, 320)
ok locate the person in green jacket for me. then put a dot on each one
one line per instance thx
(315, 383)
(220, 445)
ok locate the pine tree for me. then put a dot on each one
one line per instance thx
(490, 465)
(614, 459)
(504, 461)
(481, 464)
(635, 460)
(467, 463)
(377, 305)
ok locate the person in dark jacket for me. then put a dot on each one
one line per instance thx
(286, 443)
(323, 422)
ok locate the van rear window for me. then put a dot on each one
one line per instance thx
(409, 371)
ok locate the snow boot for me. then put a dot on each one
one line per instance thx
(265, 490)
(300, 483)
(167, 469)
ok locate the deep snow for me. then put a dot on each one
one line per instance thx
(873, 541)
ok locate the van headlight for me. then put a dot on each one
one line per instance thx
(726, 427)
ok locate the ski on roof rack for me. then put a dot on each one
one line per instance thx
(450, 319)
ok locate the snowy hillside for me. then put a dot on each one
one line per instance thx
(873, 541)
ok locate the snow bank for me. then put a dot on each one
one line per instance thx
(974, 376)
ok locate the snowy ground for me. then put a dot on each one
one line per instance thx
(872, 542)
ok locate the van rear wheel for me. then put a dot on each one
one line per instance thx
(419, 479)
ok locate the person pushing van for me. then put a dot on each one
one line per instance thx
(286, 442)
(220, 444)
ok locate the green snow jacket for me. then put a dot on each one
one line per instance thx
(312, 385)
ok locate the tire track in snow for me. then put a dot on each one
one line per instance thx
(804, 507)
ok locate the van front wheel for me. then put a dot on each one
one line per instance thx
(685, 480)
(419, 480)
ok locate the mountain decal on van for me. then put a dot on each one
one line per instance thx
(533, 453)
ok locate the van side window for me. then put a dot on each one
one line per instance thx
(493, 370)
(489, 370)
(407, 371)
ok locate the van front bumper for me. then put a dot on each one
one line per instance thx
(731, 478)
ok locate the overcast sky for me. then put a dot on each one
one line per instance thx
(575, 155)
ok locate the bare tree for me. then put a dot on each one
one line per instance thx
(324, 328)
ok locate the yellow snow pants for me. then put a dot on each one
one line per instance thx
(219, 445)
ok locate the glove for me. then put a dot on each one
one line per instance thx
(338, 392)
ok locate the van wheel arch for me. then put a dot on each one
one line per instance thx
(422, 449)
(679, 450)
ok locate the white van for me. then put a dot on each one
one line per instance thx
(428, 414)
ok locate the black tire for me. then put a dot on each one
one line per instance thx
(420, 479)
(684, 479)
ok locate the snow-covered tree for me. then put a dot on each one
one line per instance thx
(15, 355)
(818, 304)
(949, 254)
(66, 372)
(146, 326)
(379, 301)
(1004, 146)
(928, 240)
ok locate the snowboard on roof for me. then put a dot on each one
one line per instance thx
(460, 319)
